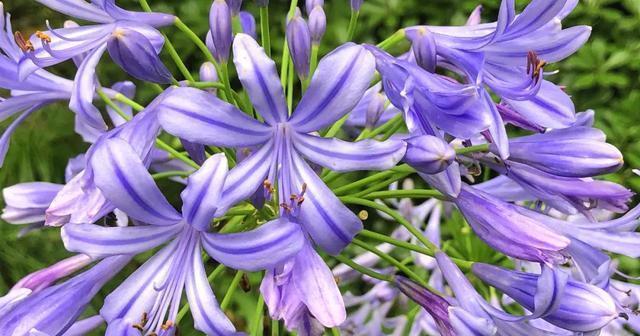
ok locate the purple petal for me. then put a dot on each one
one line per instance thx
(339, 82)
(207, 315)
(85, 326)
(79, 9)
(245, 178)
(317, 287)
(124, 180)
(200, 117)
(339, 155)
(196, 151)
(134, 53)
(6, 136)
(266, 247)
(12, 105)
(201, 196)
(128, 89)
(84, 88)
(153, 19)
(329, 222)
(551, 107)
(100, 241)
(259, 77)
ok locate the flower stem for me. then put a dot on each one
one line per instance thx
(275, 328)
(176, 58)
(347, 261)
(395, 215)
(373, 178)
(381, 185)
(125, 100)
(171, 173)
(232, 288)
(195, 39)
(414, 193)
(264, 30)
(207, 85)
(391, 260)
(473, 149)
(392, 40)
(258, 317)
(353, 22)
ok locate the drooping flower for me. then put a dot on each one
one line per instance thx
(147, 300)
(53, 310)
(130, 38)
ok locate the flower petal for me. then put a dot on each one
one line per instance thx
(200, 117)
(204, 187)
(551, 107)
(207, 315)
(135, 54)
(329, 222)
(6, 136)
(79, 9)
(259, 77)
(84, 88)
(123, 179)
(339, 155)
(266, 247)
(99, 241)
(317, 287)
(339, 82)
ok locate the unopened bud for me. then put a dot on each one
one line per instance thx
(317, 24)
(299, 41)
(429, 154)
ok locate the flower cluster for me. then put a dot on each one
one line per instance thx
(467, 110)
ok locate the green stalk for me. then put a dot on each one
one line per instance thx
(336, 126)
(380, 185)
(392, 261)
(395, 215)
(284, 69)
(315, 49)
(335, 331)
(414, 193)
(473, 149)
(194, 38)
(232, 288)
(257, 328)
(172, 173)
(356, 267)
(353, 22)
(207, 85)
(290, 88)
(275, 328)
(264, 30)
(392, 40)
(404, 168)
(176, 58)
(125, 100)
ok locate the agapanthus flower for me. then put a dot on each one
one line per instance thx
(337, 85)
(53, 310)
(147, 301)
(367, 114)
(130, 38)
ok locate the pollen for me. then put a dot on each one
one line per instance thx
(43, 37)
(363, 215)
(168, 325)
(535, 65)
(118, 33)
(268, 186)
(24, 45)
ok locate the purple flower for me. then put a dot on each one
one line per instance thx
(435, 305)
(220, 30)
(424, 49)
(356, 4)
(317, 24)
(26, 203)
(299, 42)
(248, 23)
(234, 6)
(571, 152)
(123, 179)
(429, 154)
(339, 83)
(501, 226)
(309, 5)
(364, 113)
(577, 306)
(53, 310)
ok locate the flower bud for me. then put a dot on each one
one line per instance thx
(580, 306)
(356, 4)
(424, 49)
(27, 202)
(475, 16)
(317, 24)
(374, 110)
(435, 305)
(311, 4)
(208, 73)
(299, 41)
(45, 277)
(248, 23)
(234, 6)
(429, 154)
(221, 30)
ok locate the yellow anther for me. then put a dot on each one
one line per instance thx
(24, 45)
(43, 36)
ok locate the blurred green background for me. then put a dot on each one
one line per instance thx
(603, 75)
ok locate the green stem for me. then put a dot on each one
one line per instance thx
(463, 264)
(356, 267)
(392, 40)
(413, 193)
(335, 331)
(224, 72)
(275, 328)
(232, 288)
(264, 30)
(258, 317)
(380, 185)
(290, 87)
(395, 215)
(284, 69)
(194, 38)
(336, 126)
(392, 261)
(473, 149)
(367, 134)
(404, 168)
(353, 22)
(315, 49)
(176, 154)
(207, 85)
(172, 173)
(125, 100)
(176, 58)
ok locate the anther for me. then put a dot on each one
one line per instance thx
(24, 45)
(167, 325)
(43, 36)
(268, 186)
(534, 65)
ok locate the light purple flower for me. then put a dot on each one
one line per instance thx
(339, 83)
(220, 30)
(26, 203)
(157, 286)
(317, 24)
(429, 154)
(45, 277)
(248, 23)
(299, 42)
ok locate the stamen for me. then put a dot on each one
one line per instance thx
(535, 65)
(24, 45)
(268, 186)
(43, 36)
(168, 325)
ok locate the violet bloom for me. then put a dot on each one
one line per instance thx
(579, 307)
(26, 203)
(309, 5)
(317, 24)
(149, 297)
(248, 23)
(429, 154)
(220, 33)
(299, 42)
(53, 310)
(508, 56)
(367, 114)
(505, 229)
(130, 38)
(341, 80)
(44, 278)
